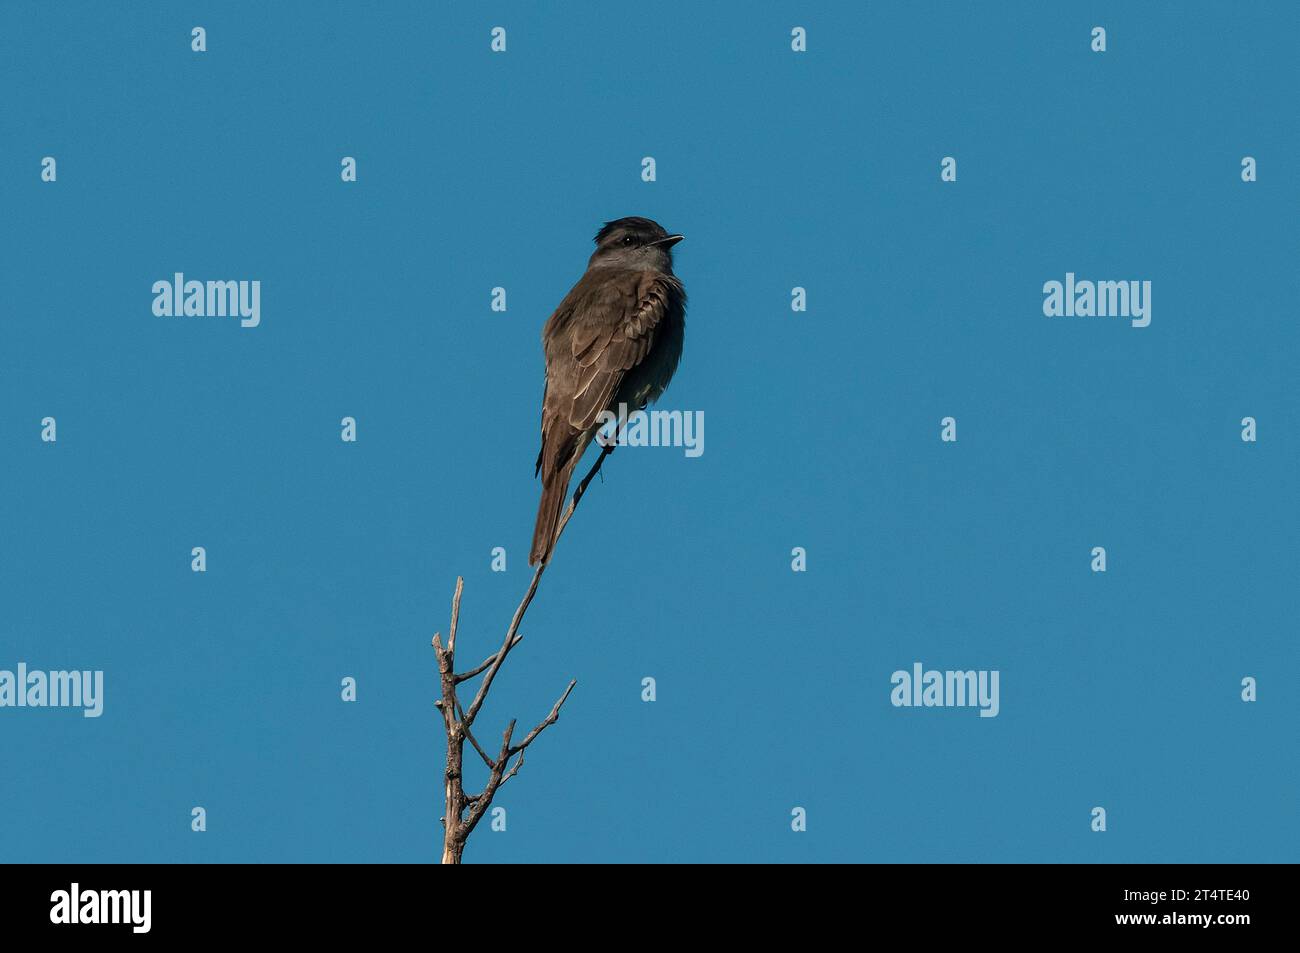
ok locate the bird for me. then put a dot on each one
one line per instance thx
(616, 338)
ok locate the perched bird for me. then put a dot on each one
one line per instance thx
(615, 339)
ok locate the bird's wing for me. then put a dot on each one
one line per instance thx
(610, 336)
(546, 387)
(604, 327)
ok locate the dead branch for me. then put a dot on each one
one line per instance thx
(463, 811)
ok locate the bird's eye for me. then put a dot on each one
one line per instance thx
(627, 239)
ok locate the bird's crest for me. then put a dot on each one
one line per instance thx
(644, 228)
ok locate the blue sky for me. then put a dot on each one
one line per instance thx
(819, 170)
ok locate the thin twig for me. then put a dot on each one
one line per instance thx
(474, 741)
(519, 763)
(494, 781)
(457, 826)
(510, 641)
(466, 676)
(455, 616)
(549, 720)
(506, 646)
(582, 487)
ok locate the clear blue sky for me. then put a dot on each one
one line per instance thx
(820, 170)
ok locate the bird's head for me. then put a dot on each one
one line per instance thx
(636, 243)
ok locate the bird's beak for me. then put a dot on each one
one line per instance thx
(670, 241)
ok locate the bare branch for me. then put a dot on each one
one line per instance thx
(519, 763)
(457, 825)
(505, 739)
(493, 782)
(582, 488)
(455, 616)
(549, 720)
(510, 641)
(492, 765)
(466, 676)
(444, 671)
(506, 646)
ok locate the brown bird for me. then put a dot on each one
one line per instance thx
(615, 339)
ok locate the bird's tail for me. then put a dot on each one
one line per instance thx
(555, 491)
